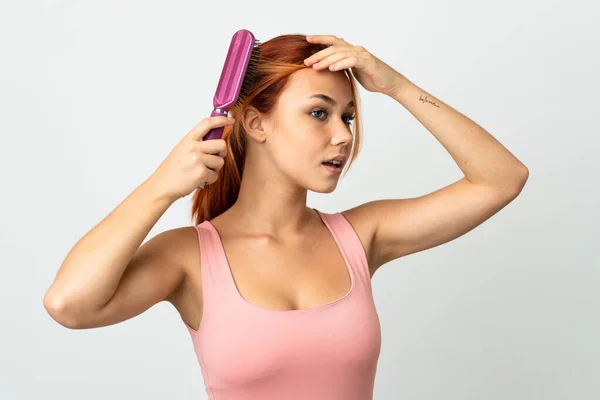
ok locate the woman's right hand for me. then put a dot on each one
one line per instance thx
(192, 161)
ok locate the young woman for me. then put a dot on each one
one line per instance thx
(277, 295)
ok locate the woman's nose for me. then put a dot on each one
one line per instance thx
(343, 133)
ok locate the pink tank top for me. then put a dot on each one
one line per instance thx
(248, 352)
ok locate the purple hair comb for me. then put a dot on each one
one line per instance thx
(236, 77)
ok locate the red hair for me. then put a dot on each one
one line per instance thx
(279, 58)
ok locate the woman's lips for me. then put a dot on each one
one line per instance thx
(333, 170)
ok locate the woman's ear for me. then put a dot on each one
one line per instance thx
(253, 122)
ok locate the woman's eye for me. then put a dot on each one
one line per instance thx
(349, 120)
(318, 111)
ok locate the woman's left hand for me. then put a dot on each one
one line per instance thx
(372, 73)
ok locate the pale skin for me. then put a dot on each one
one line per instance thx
(278, 249)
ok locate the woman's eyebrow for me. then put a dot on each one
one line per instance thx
(329, 100)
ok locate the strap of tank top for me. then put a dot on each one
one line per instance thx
(350, 243)
(211, 259)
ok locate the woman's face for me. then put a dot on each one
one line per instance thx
(306, 128)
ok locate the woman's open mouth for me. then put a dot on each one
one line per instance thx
(333, 167)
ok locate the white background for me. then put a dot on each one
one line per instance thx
(94, 95)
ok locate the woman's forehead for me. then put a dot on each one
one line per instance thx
(309, 84)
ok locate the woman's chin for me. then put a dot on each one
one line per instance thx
(324, 188)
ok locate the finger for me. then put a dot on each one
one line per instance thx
(210, 177)
(323, 54)
(349, 62)
(325, 39)
(213, 162)
(216, 146)
(204, 126)
(332, 59)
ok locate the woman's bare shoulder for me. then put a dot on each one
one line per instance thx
(187, 299)
(183, 245)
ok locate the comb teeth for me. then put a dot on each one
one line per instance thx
(250, 73)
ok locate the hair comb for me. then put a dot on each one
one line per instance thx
(236, 77)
